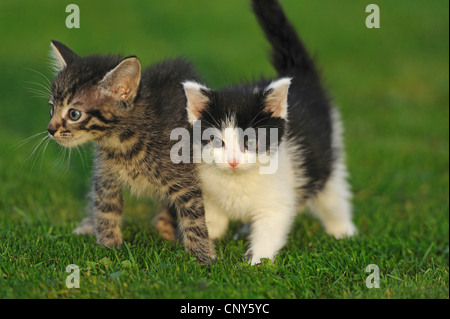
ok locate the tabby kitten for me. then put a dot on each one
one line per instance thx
(293, 117)
(129, 117)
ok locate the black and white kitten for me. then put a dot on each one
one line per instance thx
(129, 117)
(297, 138)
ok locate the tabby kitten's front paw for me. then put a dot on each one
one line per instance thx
(205, 254)
(207, 258)
(111, 239)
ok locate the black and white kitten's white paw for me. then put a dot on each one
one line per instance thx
(257, 259)
(340, 230)
(86, 227)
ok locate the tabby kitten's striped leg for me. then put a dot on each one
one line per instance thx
(192, 226)
(165, 222)
(107, 206)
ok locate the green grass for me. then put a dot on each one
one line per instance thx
(392, 88)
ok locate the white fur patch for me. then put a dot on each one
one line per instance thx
(333, 204)
(268, 201)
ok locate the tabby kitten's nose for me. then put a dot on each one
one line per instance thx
(51, 130)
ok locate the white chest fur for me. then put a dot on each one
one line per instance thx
(243, 195)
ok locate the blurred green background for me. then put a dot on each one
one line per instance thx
(392, 88)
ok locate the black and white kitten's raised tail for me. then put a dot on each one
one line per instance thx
(289, 55)
(313, 118)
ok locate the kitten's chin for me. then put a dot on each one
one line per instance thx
(70, 142)
(239, 169)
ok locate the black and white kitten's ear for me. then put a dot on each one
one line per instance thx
(197, 99)
(61, 55)
(122, 82)
(276, 100)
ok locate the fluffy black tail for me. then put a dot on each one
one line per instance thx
(289, 56)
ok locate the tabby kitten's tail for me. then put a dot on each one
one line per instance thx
(289, 55)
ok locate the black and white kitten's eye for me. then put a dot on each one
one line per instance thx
(216, 142)
(250, 143)
(74, 114)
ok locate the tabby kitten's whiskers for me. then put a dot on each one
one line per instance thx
(128, 116)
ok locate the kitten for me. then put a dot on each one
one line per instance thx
(129, 117)
(294, 125)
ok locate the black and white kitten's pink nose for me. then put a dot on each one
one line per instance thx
(233, 162)
(233, 156)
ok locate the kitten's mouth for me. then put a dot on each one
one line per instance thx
(68, 140)
(237, 169)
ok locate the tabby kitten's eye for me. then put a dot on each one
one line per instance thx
(74, 114)
(217, 142)
(52, 111)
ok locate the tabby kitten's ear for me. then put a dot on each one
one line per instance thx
(122, 82)
(276, 100)
(197, 100)
(61, 55)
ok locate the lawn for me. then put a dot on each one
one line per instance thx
(392, 86)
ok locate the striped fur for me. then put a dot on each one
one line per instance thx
(129, 118)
